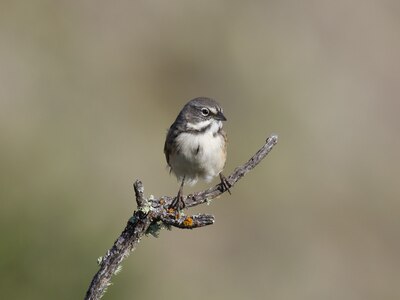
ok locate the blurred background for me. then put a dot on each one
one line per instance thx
(88, 90)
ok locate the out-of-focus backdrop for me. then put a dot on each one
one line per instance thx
(88, 90)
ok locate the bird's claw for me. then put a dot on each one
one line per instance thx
(225, 184)
(178, 203)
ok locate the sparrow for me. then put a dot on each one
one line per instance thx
(195, 146)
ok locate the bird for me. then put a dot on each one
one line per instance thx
(196, 146)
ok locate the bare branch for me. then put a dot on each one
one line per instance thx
(126, 242)
(188, 222)
(154, 214)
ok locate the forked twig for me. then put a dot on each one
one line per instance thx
(154, 214)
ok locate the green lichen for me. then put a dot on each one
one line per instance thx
(133, 219)
(146, 207)
(119, 269)
(155, 228)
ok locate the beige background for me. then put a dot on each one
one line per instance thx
(88, 90)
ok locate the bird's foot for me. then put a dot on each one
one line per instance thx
(225, 184)
(178, 203)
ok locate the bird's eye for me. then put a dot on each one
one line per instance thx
(205, 111)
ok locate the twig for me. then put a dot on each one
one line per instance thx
(153, 215)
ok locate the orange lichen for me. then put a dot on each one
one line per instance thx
(171, 210)
(188, 222)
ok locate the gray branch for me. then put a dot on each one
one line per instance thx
(153, 215)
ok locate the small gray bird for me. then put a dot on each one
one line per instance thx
(195, 147)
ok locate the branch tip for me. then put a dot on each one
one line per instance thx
(139, 192)
(273, 139)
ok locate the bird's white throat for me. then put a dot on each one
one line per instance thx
(214, 128)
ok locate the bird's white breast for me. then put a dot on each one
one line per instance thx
(200, 155)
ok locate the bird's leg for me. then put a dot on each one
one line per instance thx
(178, 203)
(225, 185)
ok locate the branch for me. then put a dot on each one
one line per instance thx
(154, 214)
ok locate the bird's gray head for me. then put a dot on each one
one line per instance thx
(200, 114)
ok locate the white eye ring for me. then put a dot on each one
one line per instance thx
(205, 111)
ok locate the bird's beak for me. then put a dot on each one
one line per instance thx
(220, 116)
